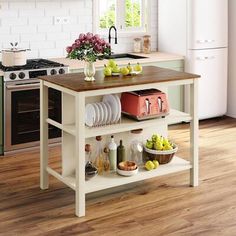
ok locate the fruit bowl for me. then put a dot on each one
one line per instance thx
(163, 157)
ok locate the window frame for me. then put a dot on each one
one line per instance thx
(120, 19)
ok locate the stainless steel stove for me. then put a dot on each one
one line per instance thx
(21, 103)
(33, 69)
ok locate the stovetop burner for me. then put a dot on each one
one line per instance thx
(32, 64)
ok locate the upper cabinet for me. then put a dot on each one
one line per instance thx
(206, 27)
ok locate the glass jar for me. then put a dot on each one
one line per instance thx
(137, 45)
(147, 44)
(136, 146)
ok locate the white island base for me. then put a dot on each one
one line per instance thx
(74, 134)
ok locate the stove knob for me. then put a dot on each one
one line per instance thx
(21, 75)
(12, 76)
(53, 72)
(62, 71)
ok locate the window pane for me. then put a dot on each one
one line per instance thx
(133, 13)
(107, 13)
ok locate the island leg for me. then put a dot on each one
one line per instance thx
(80, 155)
(194, 134)
(43, 136)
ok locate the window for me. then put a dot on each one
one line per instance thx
(126, 15)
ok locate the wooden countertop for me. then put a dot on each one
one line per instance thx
(150, 74)
(150, 58)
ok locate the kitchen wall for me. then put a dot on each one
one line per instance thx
(32, 24)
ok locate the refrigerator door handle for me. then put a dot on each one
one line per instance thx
(205, 58)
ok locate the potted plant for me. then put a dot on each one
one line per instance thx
(89, 48)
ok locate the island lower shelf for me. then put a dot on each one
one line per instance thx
(110, 180)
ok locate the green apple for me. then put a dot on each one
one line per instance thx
(107, 70)
(111, 63)
(138, 67)
(149, 165)
(156, 164)
(124, 71)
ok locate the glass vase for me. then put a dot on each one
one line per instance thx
(89, 71)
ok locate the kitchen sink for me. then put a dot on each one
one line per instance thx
(124, 56)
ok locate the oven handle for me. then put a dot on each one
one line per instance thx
(22, 86)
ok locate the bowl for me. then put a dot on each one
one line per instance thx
(127, 172)
(163, 157)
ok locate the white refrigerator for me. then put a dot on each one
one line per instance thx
(198, 29)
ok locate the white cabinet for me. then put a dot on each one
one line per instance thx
(207, 24)
(212, 66)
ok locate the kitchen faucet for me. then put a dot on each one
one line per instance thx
(109, 36)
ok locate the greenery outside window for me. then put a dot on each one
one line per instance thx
(127, 15)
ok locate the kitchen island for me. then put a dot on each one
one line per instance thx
(75, 92)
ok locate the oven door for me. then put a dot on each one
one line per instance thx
(22, 115)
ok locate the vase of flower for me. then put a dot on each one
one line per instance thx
(89, 48)
(89, 71)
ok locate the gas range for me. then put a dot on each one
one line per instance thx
(33, 69)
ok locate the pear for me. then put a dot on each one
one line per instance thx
(138, 67)
(149, 165)
(111, 63)
(156, 164)
(124, 71)
(149, 144)
(107, 71)
(130, 68)
(116, 69)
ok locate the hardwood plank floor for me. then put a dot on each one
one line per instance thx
(161, 206)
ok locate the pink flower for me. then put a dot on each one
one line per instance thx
(69, 49)
(82, 36)
(74, 46)
(89, 36)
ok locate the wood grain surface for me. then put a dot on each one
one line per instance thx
(161, 206)
(150, 74)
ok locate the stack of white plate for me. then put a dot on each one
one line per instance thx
(103, 113)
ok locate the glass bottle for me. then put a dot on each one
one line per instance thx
(112, 153)
(120, 153)
(136, 146)
(106, 161)
(147, 44)
(99, 155)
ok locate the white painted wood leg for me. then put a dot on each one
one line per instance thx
(194, 134)
(43, 136)
(80, 155)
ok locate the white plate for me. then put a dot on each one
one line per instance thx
(101, 113)
(115, 74)
(119, 107)
(127, 172)
(97, 116)
(113, 104)
(105, 112)
(89, 115)
(109, 112)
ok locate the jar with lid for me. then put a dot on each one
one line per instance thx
(147, 44)
(137, 45)
(136, 146)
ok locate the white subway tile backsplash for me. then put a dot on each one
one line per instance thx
(41, 20)
(32, 24)
(33, 37)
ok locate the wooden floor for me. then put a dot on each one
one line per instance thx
(161, 206)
